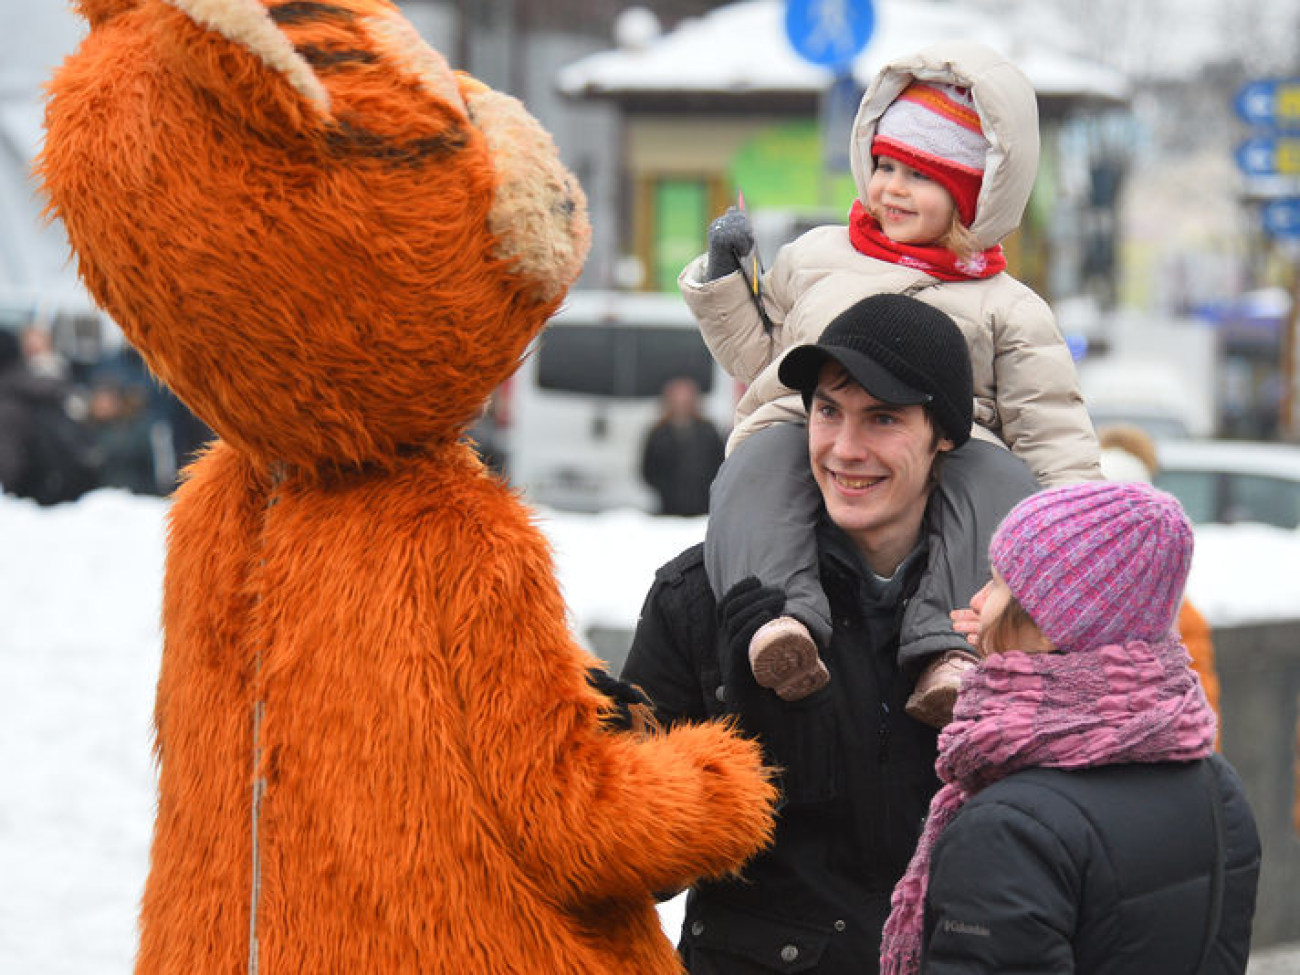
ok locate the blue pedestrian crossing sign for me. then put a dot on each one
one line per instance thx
(829, 33)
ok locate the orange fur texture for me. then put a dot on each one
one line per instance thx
(378, 751)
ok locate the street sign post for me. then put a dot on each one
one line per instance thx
(1272, 107)
(838, 110)
(829, 33)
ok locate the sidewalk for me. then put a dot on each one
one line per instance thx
(1277, 960)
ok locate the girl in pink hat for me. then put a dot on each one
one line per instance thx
(1085, 823)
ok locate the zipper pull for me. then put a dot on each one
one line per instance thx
(882, 753)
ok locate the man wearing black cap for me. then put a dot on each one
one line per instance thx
(888, 393)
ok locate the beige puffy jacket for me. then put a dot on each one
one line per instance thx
(1026, 389)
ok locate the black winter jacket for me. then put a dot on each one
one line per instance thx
(1106, 871)
(858, 773)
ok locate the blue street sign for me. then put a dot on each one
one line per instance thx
(1269, 155)
(1282, 217)
(1270, 102)
(829, 32)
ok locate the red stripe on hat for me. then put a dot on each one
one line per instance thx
(883, 145)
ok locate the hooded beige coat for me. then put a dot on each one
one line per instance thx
(1026, 388)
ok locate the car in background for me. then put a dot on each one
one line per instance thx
(1157, 396)
(1157, 424)
(579, 407)
(1230, 482)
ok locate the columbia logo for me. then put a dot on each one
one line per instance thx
(961, 927)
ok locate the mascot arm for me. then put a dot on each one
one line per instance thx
(598, 811)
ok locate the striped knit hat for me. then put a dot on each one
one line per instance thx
(936, 130)
(1096, 563)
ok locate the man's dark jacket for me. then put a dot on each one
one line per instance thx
(859, 773)
(1107, 871)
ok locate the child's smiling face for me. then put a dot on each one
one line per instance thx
(911, 207)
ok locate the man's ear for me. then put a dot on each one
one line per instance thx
(944, 445)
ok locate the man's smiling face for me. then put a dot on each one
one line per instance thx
(872, 462)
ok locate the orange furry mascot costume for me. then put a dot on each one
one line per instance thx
(378, 748)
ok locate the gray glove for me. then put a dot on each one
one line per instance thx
(731, 239)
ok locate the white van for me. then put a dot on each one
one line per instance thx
(579, 407)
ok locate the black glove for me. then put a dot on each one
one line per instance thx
(633, 708)
(731, 238)
(746, 606)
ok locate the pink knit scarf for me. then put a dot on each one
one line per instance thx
(1138, 702)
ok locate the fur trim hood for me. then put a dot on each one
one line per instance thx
(1008, 110)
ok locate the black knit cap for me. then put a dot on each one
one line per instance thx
(901, 351)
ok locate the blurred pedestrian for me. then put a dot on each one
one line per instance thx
(43, 359)
(1085, 823)
(14, 412)
(45, 454)
(682, 451)
(1129, 454)
(120, 422)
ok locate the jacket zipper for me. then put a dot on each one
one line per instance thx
(882, 734)
(278, 472)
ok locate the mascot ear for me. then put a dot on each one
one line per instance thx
(237, 52)
(299, 71)
(539, 212)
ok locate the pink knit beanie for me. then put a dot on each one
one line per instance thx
(935, 129)
(1096, 563)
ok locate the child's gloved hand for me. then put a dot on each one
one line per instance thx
(745, 607)
(731, 239)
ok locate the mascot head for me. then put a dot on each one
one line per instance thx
(328, 244)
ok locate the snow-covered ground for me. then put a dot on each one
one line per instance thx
(79, 647)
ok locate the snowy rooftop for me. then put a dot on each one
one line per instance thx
(743, 47)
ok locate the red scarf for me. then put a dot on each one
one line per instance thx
(938, 262)
(1133, 703)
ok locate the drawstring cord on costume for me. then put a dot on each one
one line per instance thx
(259, 790)
(278, 472)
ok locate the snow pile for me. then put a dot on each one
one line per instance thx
(79, 651)
(1245, 574)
